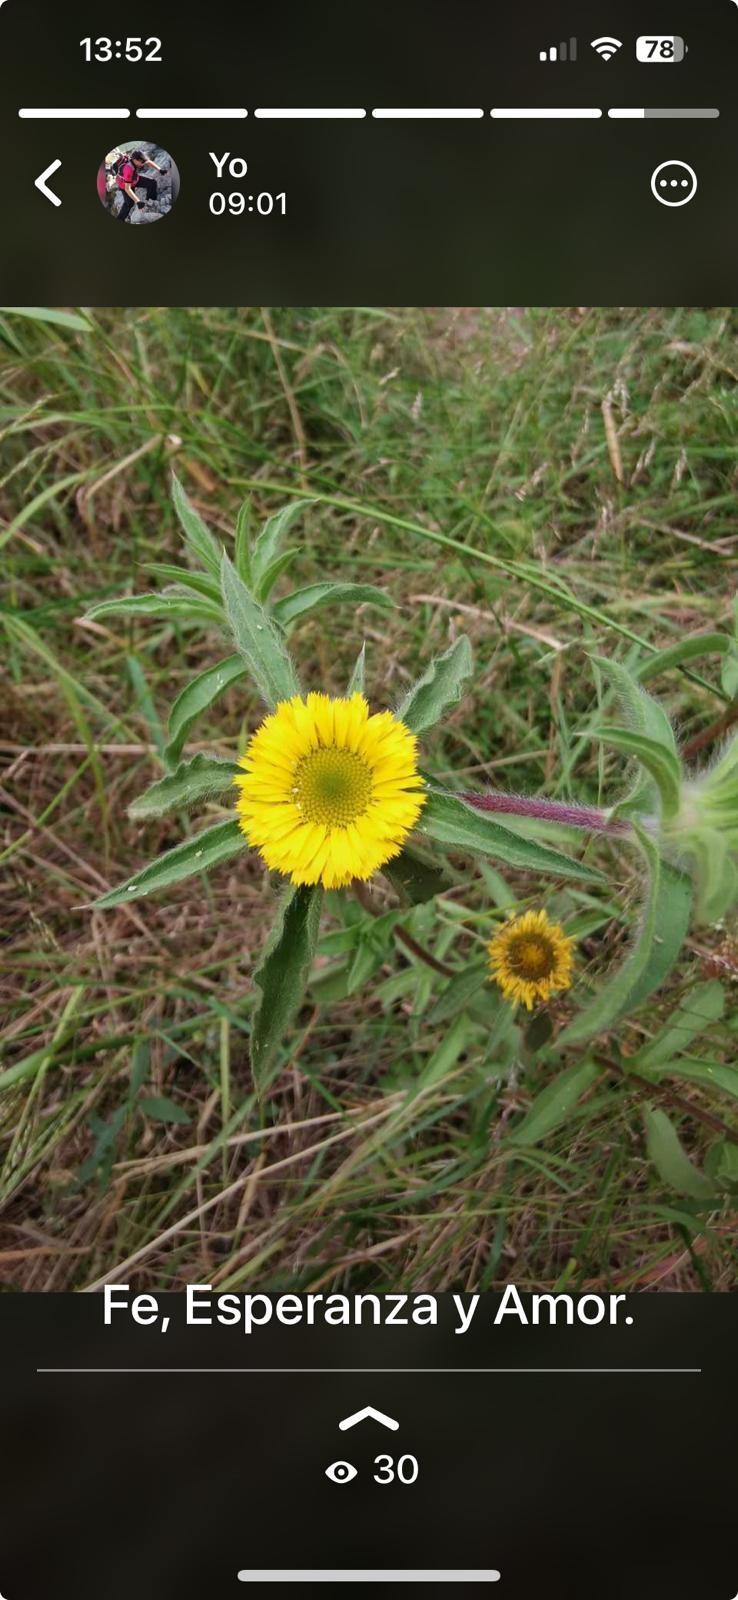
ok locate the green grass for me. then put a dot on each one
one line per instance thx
(461, 460)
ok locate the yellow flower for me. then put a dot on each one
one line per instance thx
(531, 958)
(329, 793)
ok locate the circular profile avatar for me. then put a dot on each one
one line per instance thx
(138, 182)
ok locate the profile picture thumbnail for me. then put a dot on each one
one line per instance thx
(138, 182)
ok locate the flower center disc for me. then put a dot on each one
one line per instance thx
(332, 787)
(531, 957)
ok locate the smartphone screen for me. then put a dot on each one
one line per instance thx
(368, 485)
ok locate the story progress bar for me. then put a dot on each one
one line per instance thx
(378, 114)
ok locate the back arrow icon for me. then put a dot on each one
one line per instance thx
(41, 184)
(361, 1416)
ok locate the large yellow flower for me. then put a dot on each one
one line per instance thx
(531, 958)
(329, 793)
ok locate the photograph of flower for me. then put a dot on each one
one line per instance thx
(370, 798)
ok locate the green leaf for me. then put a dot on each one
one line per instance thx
(415, 876)
(696, 644)
(452, 822)
(721, 1162)
(282, 975)
(198, 854)
(274, 571)
(373, 946)
(458, 992)
(642, 713)
(554, 1104)
(63, 319)
(198, 536)
(145, 702)
(185, 579)
(729, 673)
(717, 877)
(160, 1109)
(670, 1158)
(660, 763)
(712, 1074)
(444, 1058)
(257, 639)
(439, 687)
(199, 694)
(538, 1032)
(193, 781)
(268, 541)
(704, 1004)
(172, 607)
(671, 924)
(663, 928)
(356, 681)
(242, 550)
(319, 595)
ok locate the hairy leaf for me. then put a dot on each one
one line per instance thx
(712, 1074)
(185, 579)
(282, 975)
(449, 820)
(660, 937)
(439, 687)
(319, 595)
(198, 536)
(660, 763)
(264, 587)
(642, 713)
(199, 694)
(198, 854)
(356, 681)
(704, 1004)
(170, 607)
(242, 542)
(670, 1158)
(268, 542)
(696, 644)
(554, 1103)
(257, 640)
(193, 781)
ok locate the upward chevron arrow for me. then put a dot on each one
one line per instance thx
(363, 1416)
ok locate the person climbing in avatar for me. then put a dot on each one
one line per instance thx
(131, 178)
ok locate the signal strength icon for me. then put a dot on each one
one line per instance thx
(562, 52)
(607, 47)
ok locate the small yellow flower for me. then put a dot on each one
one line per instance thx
(328, 792)
(531, 958)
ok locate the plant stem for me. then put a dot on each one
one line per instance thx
(521, 805)
(664, 1091)
(714, 731)
(402, 936)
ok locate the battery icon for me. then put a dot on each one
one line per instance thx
(660, 49)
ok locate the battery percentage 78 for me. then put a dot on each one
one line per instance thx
(660, 48)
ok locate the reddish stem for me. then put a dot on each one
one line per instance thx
(520, 805)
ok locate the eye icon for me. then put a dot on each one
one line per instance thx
(341, 1472)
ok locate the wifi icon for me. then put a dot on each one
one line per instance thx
(606, 47)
